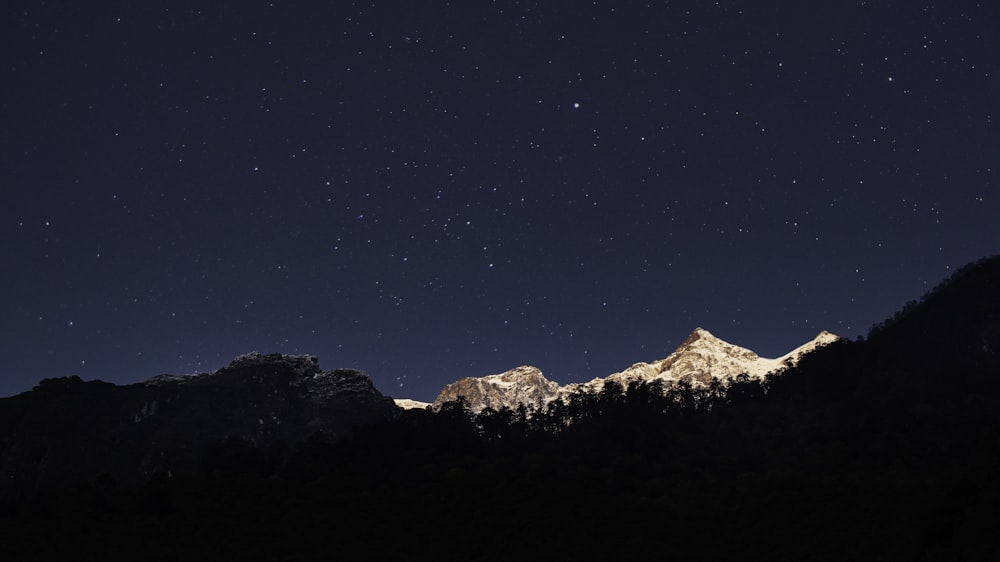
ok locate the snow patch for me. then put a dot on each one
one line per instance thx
(407, 404)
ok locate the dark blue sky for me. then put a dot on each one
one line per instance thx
(432, 190)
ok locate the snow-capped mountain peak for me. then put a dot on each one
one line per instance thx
(821, 339)
(699, 359)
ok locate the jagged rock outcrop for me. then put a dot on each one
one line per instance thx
(67, 430)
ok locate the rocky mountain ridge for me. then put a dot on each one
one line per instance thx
(699, 360)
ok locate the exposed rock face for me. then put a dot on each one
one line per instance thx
(67, 430)
(701, 359)
(523, 385)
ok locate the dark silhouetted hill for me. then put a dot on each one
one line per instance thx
(66, 431)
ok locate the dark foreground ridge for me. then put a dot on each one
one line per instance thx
(882, 449)
(65, 430)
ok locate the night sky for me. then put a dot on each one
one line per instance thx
(432, 190)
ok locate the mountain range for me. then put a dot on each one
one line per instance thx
(699, 360)
(66, 429)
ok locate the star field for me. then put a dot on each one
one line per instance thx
(434, 190)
